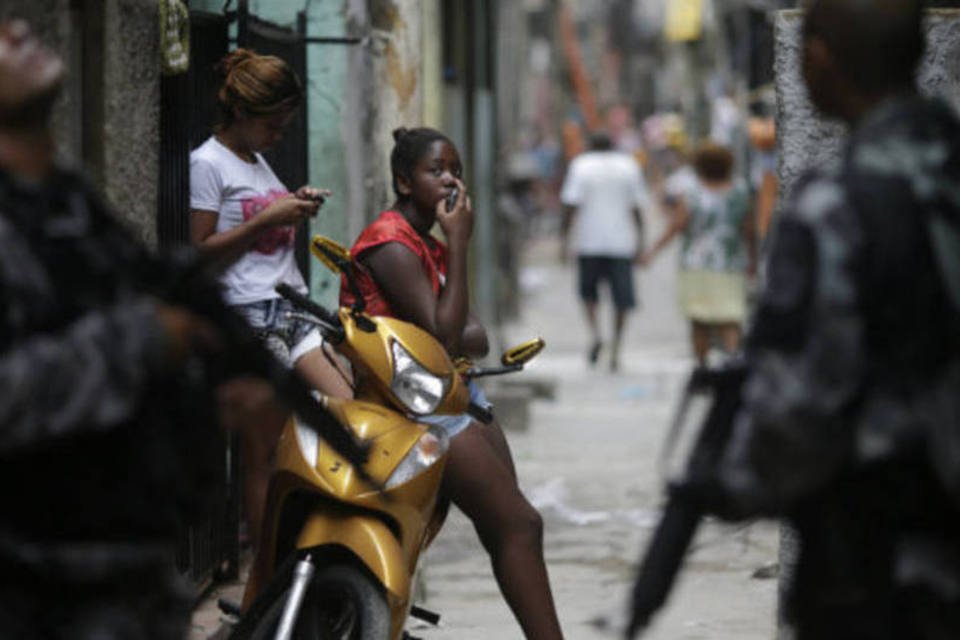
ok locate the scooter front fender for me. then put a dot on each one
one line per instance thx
(370, 540)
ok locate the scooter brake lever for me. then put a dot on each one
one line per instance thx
(482, 414)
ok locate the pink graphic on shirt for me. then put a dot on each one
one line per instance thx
(271, 240)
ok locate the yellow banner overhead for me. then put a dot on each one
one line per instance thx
(684, 20)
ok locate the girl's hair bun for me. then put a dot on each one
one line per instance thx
(233, 59)
(399, 133)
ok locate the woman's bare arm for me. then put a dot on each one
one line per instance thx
(226, 247)
(399, 274)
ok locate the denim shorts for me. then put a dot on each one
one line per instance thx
(454, 424)
(288, 338)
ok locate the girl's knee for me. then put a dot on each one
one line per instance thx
(525, 524)
(533, 524)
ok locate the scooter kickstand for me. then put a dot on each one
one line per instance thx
(425, 615)
(302, 574)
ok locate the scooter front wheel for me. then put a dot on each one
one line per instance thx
(343, 602)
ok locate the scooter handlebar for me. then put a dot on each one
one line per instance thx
(303, 302)
(482, 414)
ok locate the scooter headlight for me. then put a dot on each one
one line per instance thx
(419, 390)
(431, 446)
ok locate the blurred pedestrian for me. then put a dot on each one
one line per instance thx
(603, 196)
(713, 218)
(105, 447)
(851, 425)
(762, 133)
(244, 217)
(679, 178)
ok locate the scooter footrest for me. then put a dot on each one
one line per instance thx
(426, 615)
(229, 607)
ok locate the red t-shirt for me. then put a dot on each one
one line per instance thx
(391, 226)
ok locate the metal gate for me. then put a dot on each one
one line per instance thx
(187, 115)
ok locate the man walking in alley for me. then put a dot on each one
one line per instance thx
(851, 425)
(603, 196)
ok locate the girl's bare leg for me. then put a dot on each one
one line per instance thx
(590, 311)
(493, 432)
(700, 339)
(730, 333)
(260, 443)
(325, 373)
(483, 485)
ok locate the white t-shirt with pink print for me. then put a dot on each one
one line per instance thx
(238, 190)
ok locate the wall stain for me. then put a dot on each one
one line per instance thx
(385, 16)
(403, 79)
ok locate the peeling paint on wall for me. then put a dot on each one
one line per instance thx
(402, 78)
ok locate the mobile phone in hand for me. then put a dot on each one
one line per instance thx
(452, 199)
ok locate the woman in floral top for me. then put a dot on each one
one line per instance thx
(714, 220)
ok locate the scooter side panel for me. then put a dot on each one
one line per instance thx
(374, 544)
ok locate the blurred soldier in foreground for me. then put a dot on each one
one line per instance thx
(852, 408)
(102, 446)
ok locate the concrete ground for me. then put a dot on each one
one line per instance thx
(588, 462)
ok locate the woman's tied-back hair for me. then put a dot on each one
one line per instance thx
(409, 146)
(256, 85)
(713, 162)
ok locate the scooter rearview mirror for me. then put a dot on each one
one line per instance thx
(337, 258)
(330, 252)
(522, 353)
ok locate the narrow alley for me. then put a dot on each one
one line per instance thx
(588, 461)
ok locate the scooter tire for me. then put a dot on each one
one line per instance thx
(343, 602)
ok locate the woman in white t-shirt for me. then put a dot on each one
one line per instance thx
(244, 218)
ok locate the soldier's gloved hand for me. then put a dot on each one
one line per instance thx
(186, 333)
(248, 402)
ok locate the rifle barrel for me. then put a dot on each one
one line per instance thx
(662, 561)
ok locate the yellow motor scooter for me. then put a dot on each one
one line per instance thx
(340, 544)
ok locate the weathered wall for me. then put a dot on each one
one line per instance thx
(805, 139)
(107, 119)
(396, 90)
(131, 108)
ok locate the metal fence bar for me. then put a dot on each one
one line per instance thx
(209, 550)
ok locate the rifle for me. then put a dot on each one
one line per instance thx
(182, 278)
(694, 491)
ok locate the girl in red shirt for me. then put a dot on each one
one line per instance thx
(408, 274)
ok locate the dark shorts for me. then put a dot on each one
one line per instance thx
(618, 272)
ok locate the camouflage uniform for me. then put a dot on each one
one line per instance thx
(851, 352)
(95, 463)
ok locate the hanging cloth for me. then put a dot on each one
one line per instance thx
(174, 37)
